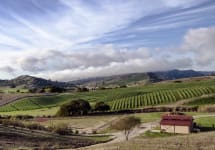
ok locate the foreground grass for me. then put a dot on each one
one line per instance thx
(87, 122)
(150, 134)
(19, 138)
(201, 141)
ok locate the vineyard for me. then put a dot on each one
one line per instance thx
(120, 98)
(159, 97)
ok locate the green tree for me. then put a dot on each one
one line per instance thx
(101, 106)
(126, 124)
(74, 108)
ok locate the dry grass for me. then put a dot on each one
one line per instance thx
(201, 141)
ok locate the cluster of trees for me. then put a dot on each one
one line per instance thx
(52, 89)
(81, 107)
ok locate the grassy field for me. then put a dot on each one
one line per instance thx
(202, 141)
(13, 90)
(206, 121)
(36, 112)
(202, 101)
(149, 134)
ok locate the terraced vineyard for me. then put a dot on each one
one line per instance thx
(159, 97)
(121, 98)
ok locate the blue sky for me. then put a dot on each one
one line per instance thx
(72, 39)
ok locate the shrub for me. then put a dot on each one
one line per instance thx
(62, 129)
(35, 126)
(76, 132)
(23, 117)
(15, 123)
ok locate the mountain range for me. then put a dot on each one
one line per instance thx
(109, 81)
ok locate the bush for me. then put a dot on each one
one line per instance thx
(62, 129)
(15, 123)
(94, 131)
(76, 132)
(35, 126)
(23, 117)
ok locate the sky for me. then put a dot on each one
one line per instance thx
(66, 40)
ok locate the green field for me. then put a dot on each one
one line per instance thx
(206, 121)
(202, 101)
(121, 98)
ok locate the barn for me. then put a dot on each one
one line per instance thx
(176, 124)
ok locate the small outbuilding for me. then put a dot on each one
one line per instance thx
(176, 124)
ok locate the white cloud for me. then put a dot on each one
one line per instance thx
(200, 42)
(101, 61)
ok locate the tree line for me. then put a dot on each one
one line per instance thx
(81, 107)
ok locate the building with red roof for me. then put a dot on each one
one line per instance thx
(176, 124)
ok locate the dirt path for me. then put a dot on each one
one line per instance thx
(120, 137)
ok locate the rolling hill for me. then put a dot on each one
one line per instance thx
(34, 82)
(140, 78)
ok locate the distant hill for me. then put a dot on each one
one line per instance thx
(113, 81)
(140, 78)
(34, 82)
(109, 81)
(173, 74)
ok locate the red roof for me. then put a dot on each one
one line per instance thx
(178, 120)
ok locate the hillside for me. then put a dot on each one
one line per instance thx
(109, 81)
(34, 82)
(140, 78)
(113, 81)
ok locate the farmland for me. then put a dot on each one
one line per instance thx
(121, 98)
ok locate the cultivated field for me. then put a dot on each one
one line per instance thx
(121, 98)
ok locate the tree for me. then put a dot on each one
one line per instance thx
(126, 124)
(101, 106)
(74, 108)
(55, 89)
(82, 89)
(12, 86)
